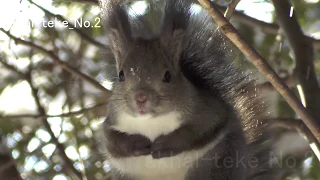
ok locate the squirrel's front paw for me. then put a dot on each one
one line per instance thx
(125, 145)
(134, 145)
(137, 145)
(167, 146)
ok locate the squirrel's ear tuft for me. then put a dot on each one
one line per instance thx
(174, 26)
(117, 27)
(174, 45)
(118, 43)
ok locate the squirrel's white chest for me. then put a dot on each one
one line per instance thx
(149, 126)
(145, 167)
(170, 168)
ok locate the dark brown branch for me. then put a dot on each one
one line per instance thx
(45, 122)
(301, 128)
(315, 42)
(69, 114)
(59, 62)
(8, 168)
(250, 21)
(4, 62)
(264, 26)
(262, 66)
(304, 57)
(77, 30)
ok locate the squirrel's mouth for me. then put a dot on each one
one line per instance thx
(142, 112)
(143, 108)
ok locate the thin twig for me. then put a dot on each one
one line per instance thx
(301, 128)
(92, 2)
(270, 28)
(4, 62)
(8, 168)
(45, 122)
(231, 8)
(69, 114)
(239, 16)
(303, 55)
(42, 112)
(71, 26)
(59, 62)
(262, 66)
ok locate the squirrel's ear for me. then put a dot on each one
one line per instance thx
(174, 44)
(174, 26)
(118, 43)
(117, 27)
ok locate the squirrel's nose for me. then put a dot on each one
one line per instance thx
(141, 98)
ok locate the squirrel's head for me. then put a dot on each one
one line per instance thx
(150, 80)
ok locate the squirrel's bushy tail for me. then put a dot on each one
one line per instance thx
(208, 61)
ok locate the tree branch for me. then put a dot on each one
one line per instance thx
(92, 2)
(270, 28)
(69, 114)
(45, 122)
(77, 30)
(290, 81)
(303, 54)
(262, 66)
(59, 62)
(8, 166)
(42, 112)
(301, 128)
(238, 16)
(10, 67)
(231, 8)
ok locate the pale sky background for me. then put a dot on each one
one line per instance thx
(16, 15)
(17, 99)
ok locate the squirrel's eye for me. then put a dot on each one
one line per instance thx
(167, 77)
(121, 76)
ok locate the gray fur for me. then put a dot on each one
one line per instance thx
(211, 94)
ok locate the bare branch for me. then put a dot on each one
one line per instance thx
(239, 16)
(8, 168)
(262, 66)
(45, 122)
(315, 42)
(301, 128)
(77, 30)
(231, 8)
(290, 81)
(59, 62)
(4, 62)
(302, 48)
(92, 2)
(69, 114)
(253, 22)
(270, 28)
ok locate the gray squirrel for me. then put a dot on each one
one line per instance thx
(180, 109)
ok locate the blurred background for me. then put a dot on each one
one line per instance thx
(54, 66)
